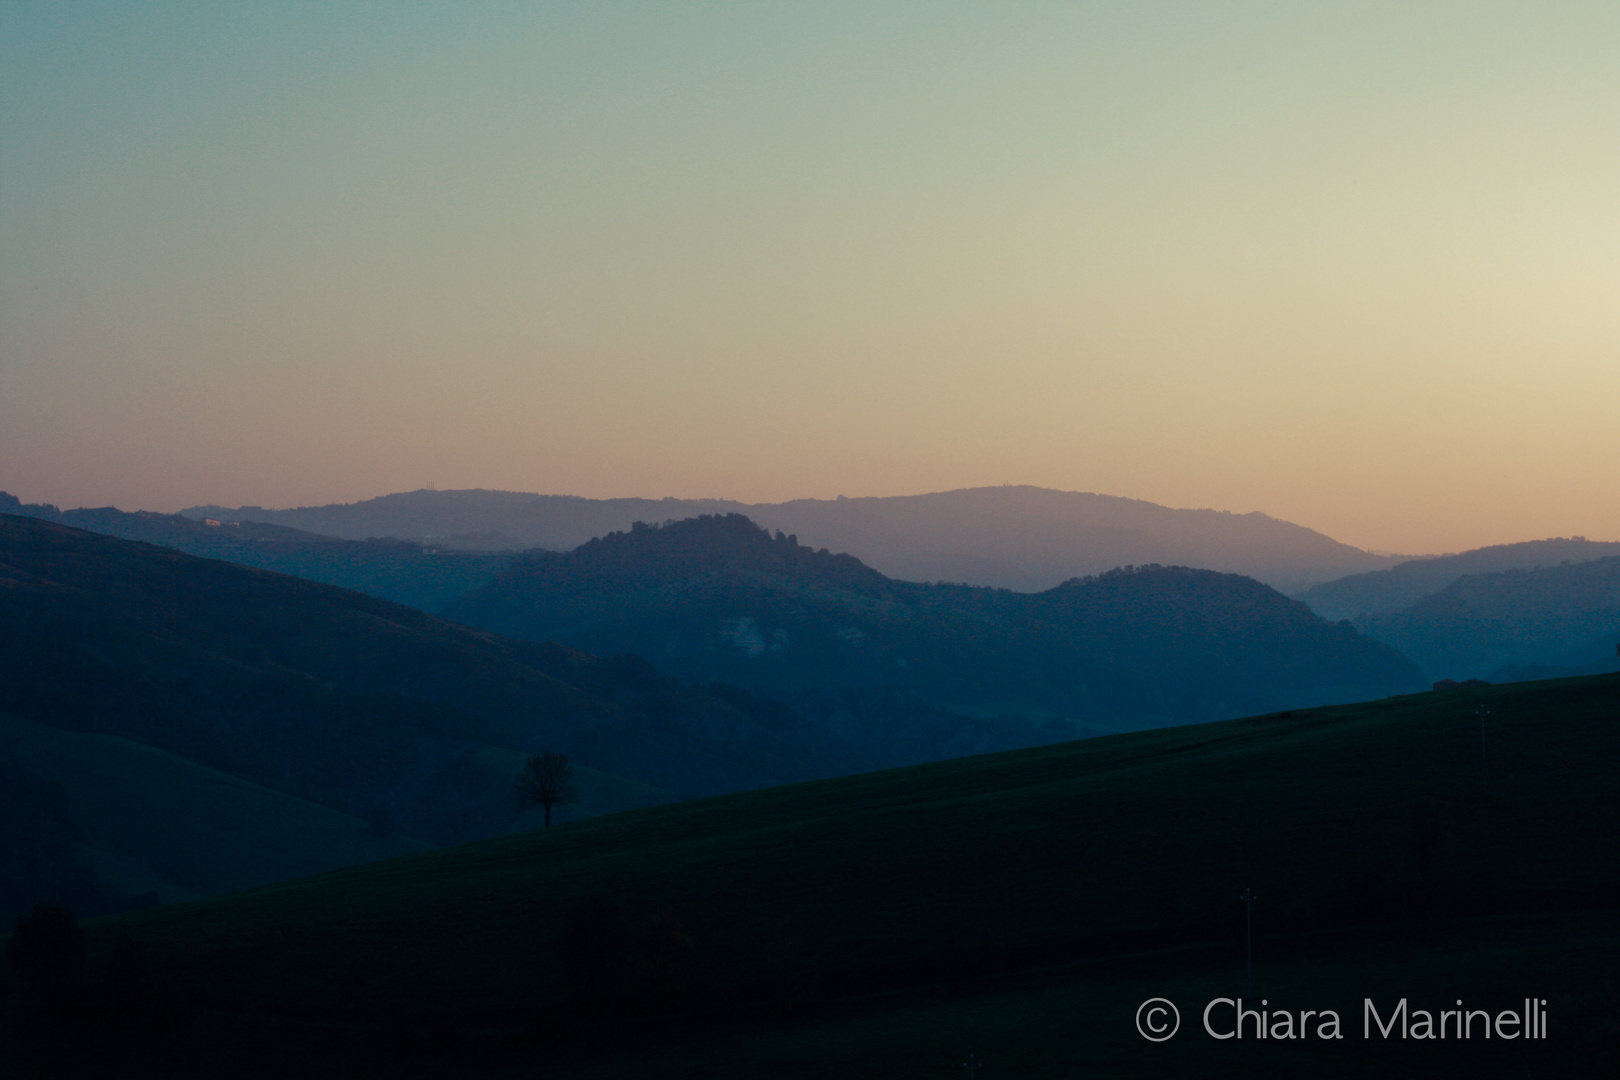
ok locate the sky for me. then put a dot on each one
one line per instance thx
(1353, 265)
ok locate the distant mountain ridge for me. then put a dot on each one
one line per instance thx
(1015, 537)
(1524, 623)
(719, 598)
(404, 571)
(1380, 591)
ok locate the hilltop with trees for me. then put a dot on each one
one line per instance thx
(1012, 536)
(173, 727)
(720, 599)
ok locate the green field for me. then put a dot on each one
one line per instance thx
(1016, 906)
(599, 792)
(157, 822)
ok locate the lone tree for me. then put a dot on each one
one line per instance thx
(546, 781)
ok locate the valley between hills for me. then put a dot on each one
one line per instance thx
(819, 806)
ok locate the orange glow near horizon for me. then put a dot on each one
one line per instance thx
(1357, 269)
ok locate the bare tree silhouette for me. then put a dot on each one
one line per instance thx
(546, 781)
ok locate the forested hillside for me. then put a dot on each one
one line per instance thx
(310, 714)
(1380, 591)
(1554, 620)
(720, 598)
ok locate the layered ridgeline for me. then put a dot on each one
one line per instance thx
(423, 575)
(1023, 538)
(209, 726)
(719, 598)
(1017, 908)
(1378, 591)
(1519, 624)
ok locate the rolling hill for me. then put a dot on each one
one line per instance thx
(1017, 907)
(149, 823)
(199, 704)
(1375, 592)
(290, 682)
(718, 598)
(1514, 624)
(153, 822)
(424, 576)
(1023, 538)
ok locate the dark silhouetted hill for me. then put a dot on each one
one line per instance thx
(719, 598)
(1541, 623)
(422, 575)
(1024, 538)
(314, 710)
(1017, 906)
(1379, 591)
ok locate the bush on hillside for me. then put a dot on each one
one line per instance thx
(48, 949)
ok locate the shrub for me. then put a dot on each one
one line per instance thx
(47, 949)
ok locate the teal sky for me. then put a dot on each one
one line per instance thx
(1354, 265)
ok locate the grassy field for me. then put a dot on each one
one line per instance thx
(1078, 1020)
(1016, 906)
(155, 821)
(598, 792)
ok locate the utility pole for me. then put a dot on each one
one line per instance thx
(1248, 899)
(1483, 713)
(972, 1065)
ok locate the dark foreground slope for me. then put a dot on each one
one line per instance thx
(1016, 907)
(422, 575)
(147, 826)
(1016, 537)
(720, 598)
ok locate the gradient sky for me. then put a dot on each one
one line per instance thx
(1354, 265)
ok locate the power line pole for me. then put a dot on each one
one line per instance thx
(1483, 713)
(1248, 899)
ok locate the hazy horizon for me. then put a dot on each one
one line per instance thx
(1354, 268)
(763, 504)
(898, 495)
